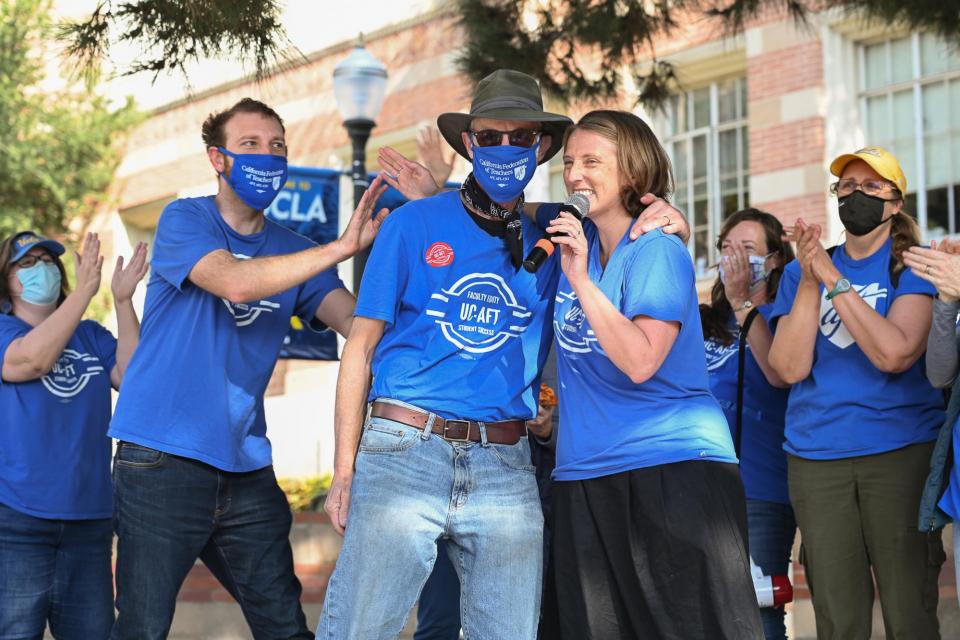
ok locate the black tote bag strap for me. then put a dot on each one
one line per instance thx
(741, 368)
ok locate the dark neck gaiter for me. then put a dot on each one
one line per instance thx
(494, 219)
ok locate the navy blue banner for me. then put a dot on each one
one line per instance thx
(308, 204)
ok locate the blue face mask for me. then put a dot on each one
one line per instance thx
(503, 171)
(41, 283)
(256, 178)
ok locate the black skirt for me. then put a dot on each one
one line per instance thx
(653, 553)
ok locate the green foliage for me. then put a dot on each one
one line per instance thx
(305, 494)
(174, 33)
(577, 48)
(59, 152)
(941, 17)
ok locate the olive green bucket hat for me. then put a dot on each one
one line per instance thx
(505, 94)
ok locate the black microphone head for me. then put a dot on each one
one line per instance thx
(579, 202)
(535, 259)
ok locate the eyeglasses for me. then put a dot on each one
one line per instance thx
(516, 138)
(29, 261)
(845, 187)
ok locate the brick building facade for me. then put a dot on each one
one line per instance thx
(756, 119)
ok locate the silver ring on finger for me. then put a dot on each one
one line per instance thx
(927, 270)
(666, 219)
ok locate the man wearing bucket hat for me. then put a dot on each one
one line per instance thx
(506, 135)
(455, 334)
(862, 418)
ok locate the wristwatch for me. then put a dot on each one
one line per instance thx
(747, 304)
(843, 285)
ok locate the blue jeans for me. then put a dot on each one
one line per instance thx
(438, 612)
(771, 528)
(55, 571)
(168, 511)
(411, 488)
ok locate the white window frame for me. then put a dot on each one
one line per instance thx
(916, 83)
(712, 132)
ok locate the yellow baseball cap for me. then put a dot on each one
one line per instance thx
(881, 160)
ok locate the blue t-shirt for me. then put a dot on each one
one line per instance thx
(54, 449)
(466, 334)
(763, 462)
(847, 407)
(195, 385)
(610, 423)
(950, 501)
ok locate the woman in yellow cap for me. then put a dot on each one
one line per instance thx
(861, 418)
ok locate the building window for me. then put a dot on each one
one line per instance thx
(705, 133)
(910, 101)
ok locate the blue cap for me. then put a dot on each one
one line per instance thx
(27, 240)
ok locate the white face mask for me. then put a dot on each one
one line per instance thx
(758, 270)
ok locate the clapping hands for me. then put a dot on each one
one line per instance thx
(125, 279)
(89, 264)
(938, 265)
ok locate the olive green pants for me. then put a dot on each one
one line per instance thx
(858, 513)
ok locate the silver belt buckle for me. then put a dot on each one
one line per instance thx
(448, 423)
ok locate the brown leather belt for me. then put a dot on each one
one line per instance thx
(506, 432)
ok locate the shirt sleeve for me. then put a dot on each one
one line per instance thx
(387, 270)
(941, 359)
(10, 330)
(547, 212)
(659, 281)
(185, 233)
(311, 295)
(106, 344)
(786, 292)
(912, 283)
(766, 312)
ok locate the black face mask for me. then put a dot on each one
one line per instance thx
(860, 213)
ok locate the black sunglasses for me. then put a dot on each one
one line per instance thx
(516, 138)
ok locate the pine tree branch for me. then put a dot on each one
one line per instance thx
(560, 43)
(175, 33)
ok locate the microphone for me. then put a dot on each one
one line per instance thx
(577, 205)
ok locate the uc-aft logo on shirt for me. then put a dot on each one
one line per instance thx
(246, 313)
(830, 324)
(572, 329)
(71, 373)
(718, 354)
(479, 313)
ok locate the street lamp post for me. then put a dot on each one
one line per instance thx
(359, 84)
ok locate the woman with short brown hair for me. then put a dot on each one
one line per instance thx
(650, 519)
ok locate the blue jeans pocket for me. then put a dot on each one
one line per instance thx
(514, 456)
(136, 456)
(386, 436)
